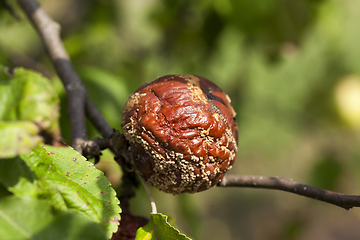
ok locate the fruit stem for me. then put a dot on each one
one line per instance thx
(151, 198)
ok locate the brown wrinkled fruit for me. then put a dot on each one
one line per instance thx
(182, 133)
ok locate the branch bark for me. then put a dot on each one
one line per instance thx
(288, 185)
(49, 31)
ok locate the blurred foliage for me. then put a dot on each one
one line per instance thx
(325, 173)
(282, 62)
(29, 107)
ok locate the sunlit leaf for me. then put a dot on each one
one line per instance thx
(73, 183)
(158, 228)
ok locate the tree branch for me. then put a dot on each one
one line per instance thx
(288, 185)
(78, 101)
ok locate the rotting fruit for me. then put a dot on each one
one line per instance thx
(182, 133)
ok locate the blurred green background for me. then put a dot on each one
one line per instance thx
(291, 68)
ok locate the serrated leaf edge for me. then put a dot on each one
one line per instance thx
(117, 209)
(168, 224)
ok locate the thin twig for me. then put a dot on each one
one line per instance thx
(93, 148)
(285, 184)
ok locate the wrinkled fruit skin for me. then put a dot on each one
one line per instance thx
(182, 133)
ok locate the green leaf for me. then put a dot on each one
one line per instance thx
(17, 137)
(74, 183)
(4, 192)
(37, 100)
(17, 177)
(28, 218)
(158, 228)
(28, 106)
